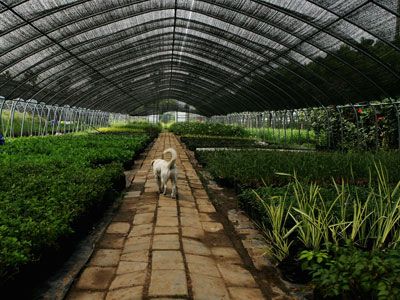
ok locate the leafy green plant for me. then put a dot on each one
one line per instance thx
(252, 167)
(367, 217)
(209, 129)
(193, 142)
(354, 274)
(133, 128)
(48, 183)
(277, 233)
(291, 137)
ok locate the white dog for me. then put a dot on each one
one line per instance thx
(164, 170)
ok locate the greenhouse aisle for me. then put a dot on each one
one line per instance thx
(160, 247)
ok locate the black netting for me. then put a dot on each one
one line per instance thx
(219, 56)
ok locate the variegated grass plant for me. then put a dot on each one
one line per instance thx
(369, 222)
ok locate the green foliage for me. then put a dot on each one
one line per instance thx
(48, 183)
(210, 129)
(32, 124)
(252, 167)
(368, 217)
(360, 128)
(200, 141)
(293, 138)
(134, 128)
(354, 274)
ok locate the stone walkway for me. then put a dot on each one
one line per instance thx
(160, 248)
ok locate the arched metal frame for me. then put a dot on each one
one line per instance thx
(219, 56)
(29, 118)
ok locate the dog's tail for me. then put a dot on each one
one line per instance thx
(171, 163)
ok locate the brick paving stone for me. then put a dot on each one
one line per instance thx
(162, 298)
(189, 211)
(151, 189)
(240, 293)
(123, 216)
(204, 217)
(148, 227)
(128, 280)
(132, 194)
(191, 221)
(147, 208)
(166, 230)
(191, 232)
(200, 193)
(184, 203)
(95, 278)
(204, 268)
(212, 226)
(145, 218)
(168, 283)
(167, 260)
(207, 208)
(195, 247)
(86, 295)
(163, 213)
(207, 287)
(166, 241)
(199, 259)
(202, 201)
(128, 206)
(139, 256)
(112, 241)
(130, 293)
(118, 227)
(134, 247)
(227, 254)
(196, 185)
(141, 230)
(167, 209)
(130, 267)
(189, 199)
(167, 221)
(105, 258)
(138, 179)
(137, 240)
(235, 275)
(167, 203)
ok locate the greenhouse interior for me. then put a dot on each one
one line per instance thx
(200, 149)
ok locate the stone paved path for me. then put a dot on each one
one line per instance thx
(161, 248)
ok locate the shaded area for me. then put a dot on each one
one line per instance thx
(218, 56)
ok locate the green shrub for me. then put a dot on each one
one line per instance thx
(352, 273)
(295, 138)
(312, 217)
(195, 141)
(134, 128)
(48, 183)
(252, 167)
(210, 129)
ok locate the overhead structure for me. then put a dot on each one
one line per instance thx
(220, 56)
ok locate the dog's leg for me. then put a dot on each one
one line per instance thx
(174, 179)
(173, 194)
(159, 184)
(164, 185)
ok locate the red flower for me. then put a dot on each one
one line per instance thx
(359, 111)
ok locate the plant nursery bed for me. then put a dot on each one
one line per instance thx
(64, 186)
(247, 238)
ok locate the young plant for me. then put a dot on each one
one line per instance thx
(277, 233)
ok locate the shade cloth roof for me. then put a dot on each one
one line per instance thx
(220, 56)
